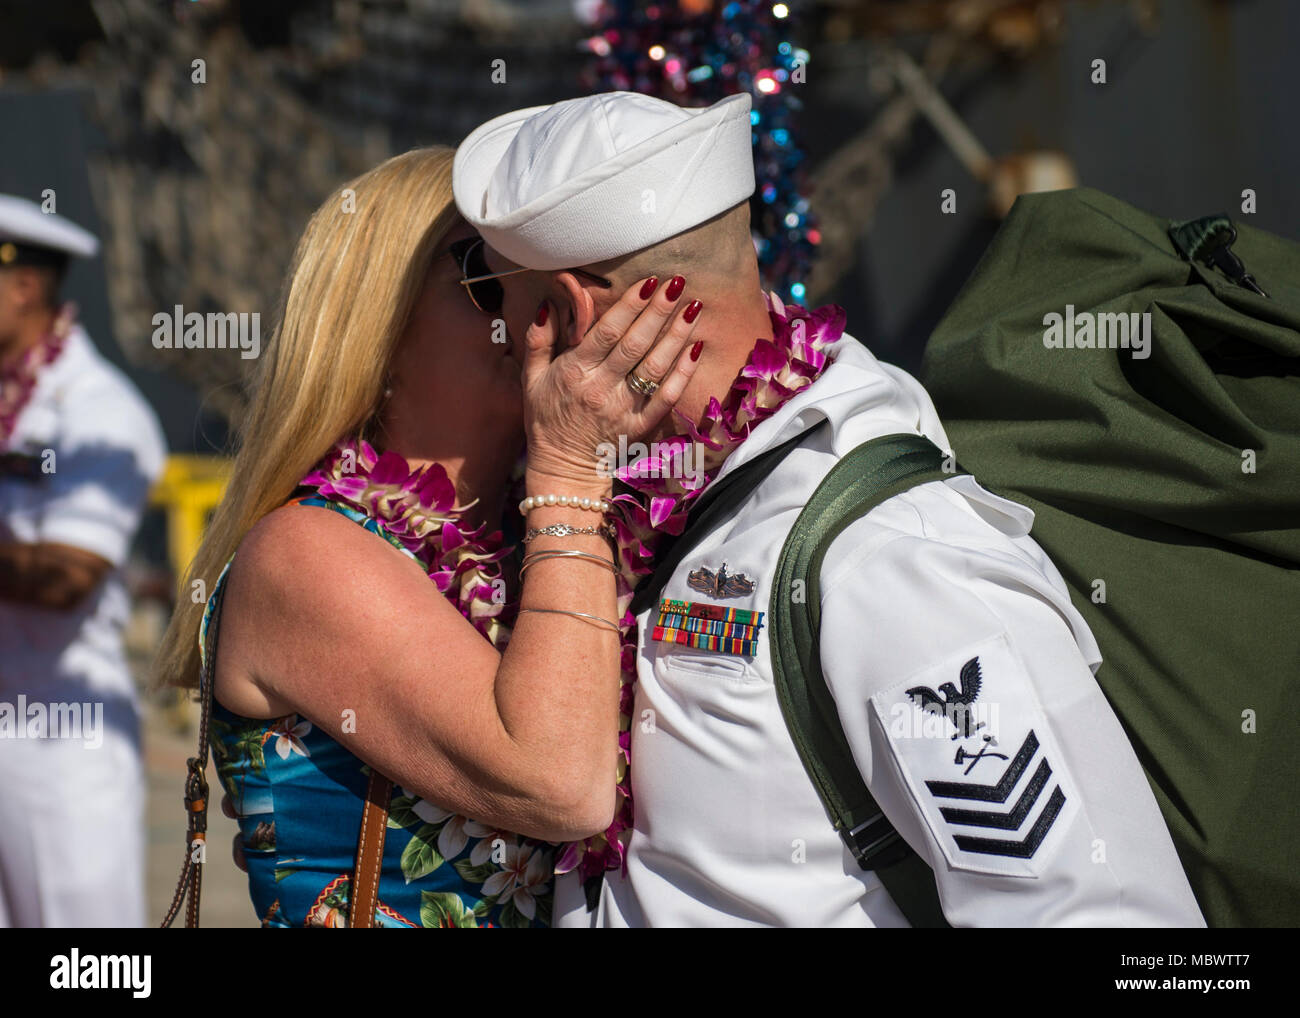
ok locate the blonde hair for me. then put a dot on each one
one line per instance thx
(357, 274)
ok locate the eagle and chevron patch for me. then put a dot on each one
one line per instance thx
(980, 761)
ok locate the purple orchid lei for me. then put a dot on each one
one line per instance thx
(660, 499)
(18, 381)
(417, 507)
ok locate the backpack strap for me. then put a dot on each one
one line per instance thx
(866, 477)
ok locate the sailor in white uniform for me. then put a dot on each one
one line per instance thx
(729, 828)
(1035, 812)
(79, 451)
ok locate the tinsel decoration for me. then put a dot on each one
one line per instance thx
(693, 52)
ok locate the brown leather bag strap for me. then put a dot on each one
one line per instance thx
(370, 852)
(196, 783)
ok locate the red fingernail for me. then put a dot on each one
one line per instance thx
(648, 287)
(675, 287)
(695, 350)
(542, 311)
(692, 311)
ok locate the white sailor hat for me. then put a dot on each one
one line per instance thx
(29, 236)
(585, 180)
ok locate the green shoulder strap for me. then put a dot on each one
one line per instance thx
(866, 477)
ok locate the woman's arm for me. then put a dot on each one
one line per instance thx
(359, 641)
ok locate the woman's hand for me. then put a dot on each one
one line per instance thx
(581, 399)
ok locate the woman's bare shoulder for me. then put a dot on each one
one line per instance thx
(298, 573)
(298, 547)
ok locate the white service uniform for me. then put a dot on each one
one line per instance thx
(1061, 830)
(72, 813)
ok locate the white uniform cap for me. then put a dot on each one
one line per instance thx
(584, 180)
(24, 226)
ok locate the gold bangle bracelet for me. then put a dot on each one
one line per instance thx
(576, 615)
(542, 556)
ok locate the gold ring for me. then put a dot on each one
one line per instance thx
(641, 385)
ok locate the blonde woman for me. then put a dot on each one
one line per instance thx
(365, 590)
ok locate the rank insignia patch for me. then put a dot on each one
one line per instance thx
(708, 626)
(979, 759)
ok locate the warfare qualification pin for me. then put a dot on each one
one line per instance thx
(721, 583)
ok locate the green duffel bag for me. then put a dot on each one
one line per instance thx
(1136, 383)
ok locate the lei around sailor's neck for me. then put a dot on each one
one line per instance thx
(18, 380)
(658, 498)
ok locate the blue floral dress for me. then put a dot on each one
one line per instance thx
(298, 796)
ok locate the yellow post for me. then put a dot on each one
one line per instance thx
(189, 489)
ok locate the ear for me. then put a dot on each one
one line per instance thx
(576, 306)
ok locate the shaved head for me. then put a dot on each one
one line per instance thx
(717, 257)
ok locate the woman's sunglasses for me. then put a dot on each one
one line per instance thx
(482, 284)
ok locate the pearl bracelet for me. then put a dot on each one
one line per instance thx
(598, 505)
